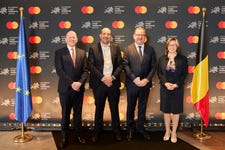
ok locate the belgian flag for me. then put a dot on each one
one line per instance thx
(200, 81)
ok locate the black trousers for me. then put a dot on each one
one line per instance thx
(71, 100)
(136, 94)
(101, 93)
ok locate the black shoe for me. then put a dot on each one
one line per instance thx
(63, 143)
(118, 137)
(95, 137)
(80, 140)
(129, 136)
(145, 135)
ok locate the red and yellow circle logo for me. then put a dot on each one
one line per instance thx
(171, 24)
(87, 10)
(191, 69)
(87, 39)
(192, 39)
(12, 55)
(221, 24)
(220, 85)
(64, 24)
(12, 25)
(34, 10)
(12, 85)
(220, 115)
(12, 116)
(118, 24)
(34, 39)
(140, 9)
(193, 10)
(35, 69)
(37, 99)
(221, 55)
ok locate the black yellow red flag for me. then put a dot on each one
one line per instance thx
(200, 81)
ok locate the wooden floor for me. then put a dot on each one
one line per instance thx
(216, 142)
(45, 141)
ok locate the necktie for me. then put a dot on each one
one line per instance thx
(73, 56)
(140, 52)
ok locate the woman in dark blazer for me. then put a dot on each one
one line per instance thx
(172, 71)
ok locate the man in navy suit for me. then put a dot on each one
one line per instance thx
(140, 66)
(105, 64)
(71, 67)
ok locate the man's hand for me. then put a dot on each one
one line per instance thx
(76, 86)
(107, 80)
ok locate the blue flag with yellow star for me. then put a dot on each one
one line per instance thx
(23, 103)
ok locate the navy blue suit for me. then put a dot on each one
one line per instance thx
(68, 97)
(135, 67)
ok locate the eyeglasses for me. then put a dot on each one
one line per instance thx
(139, 34)
(172, 45)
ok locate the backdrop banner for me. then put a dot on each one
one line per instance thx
(46, 26)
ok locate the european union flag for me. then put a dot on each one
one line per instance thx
(23, 103)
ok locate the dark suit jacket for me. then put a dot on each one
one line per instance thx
(134, 67)
(96, 62)
(67, 72)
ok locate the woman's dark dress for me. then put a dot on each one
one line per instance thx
(171, 101)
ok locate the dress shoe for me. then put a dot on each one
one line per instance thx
(173, 138)
(166, 137)
(145, 135)
(118, 137)
(63, 143)
(95, 137)
(80, 140)
(129, 136)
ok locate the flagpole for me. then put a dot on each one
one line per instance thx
(23, 137)
(201, 135)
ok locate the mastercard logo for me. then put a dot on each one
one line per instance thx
(12, 25)
(192, 39)
(37, 100)
(191, 69)
(87, 10)
(87, 39)
(34, 10)
(90, 100)
(118, 24)
(12, 85)
(171, 24)
(221, 55)
(12, 116)
(35, 69)
(221, 24)
(193, 10)
(12, 55)
(35, 39)
(220, 85)
(122, 86)
(140, 9)
(220, 115)
(188, 99)
(121, 115)
(64, 24)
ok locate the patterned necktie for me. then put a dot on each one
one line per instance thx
(73, 56)
(140, 52)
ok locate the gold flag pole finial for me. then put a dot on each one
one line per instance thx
(203, 12)
(21, 12)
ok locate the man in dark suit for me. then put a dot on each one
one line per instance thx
(140, 66)
(105, 64)
(71, 67)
